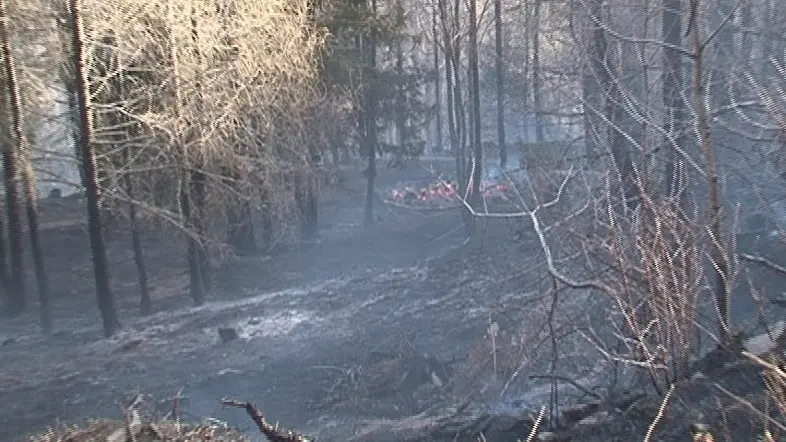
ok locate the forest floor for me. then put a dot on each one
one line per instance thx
(350, 329)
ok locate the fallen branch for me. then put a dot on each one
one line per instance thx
(272, 432)
(751, 407)
(764, 261)
(567, 380)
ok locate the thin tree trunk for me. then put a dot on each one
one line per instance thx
(371, 124)
(475, 118)
(672, 99)
(67, 75)
(500, 66)
(592, 94)
(73, 112)
(718, 254)
(198, 181)
(310, 209)
(17, 298)
(145, 301)
(400, 112)
(106, 303)
(452, 105)
(196, 283)
(537, 102)
(21, 148)
(604, 75)
(4, 279)
(437, 82)
(241, 229)
(17, 293)
(455, 102)
(41, 278)
(305, 202)
(196, 287)
(117, 118)
(267, 219)
(315, 159)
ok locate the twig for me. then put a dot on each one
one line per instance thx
(270, 431)
(176, 411)
(751, 407)
(578, 386)
(659, 416)
(534, 433)
(764, 261)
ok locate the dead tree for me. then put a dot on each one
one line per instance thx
(106, 302)
(500, 67)
(21, 152)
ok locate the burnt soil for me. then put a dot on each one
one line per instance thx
(314, 320)
(307, 315)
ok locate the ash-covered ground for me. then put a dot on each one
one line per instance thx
(364, 324)
(306, 318)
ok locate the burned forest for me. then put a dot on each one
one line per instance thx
(392, 220)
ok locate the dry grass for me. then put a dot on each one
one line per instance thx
(115, 431)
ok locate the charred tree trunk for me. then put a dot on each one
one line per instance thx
(21, 150)
(437, 82)
(240, 234)
(241, 229)
(4, 280)
(400, 110)
(196, 286)
(145, 301)
(197, 188)
(73, 111)
(474, 80)
(452, 104)
(67, 75)
(17, 293)
(117, 119)
(106, 303)
(196, 283)
(672, 99)
(41, 278)
(605, 76)
(371, 123)
(500, 66)
(591, 88)
(17, 296)
(267, 219)
(537, 98)
(719, 253)
(456, 115)
(310, 209)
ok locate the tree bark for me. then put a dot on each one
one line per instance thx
(145, 300)
(537, 99)
(703, 129)
(241, 229)
(371, 124)
(437, 81)
(592, 93)
(17, 293)
(197, 188)
(21, 147)
(17, 297)
(106, 303)
(455, 101)
(4, 279)
(500, 66)
(672, 99)
(475, 119)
